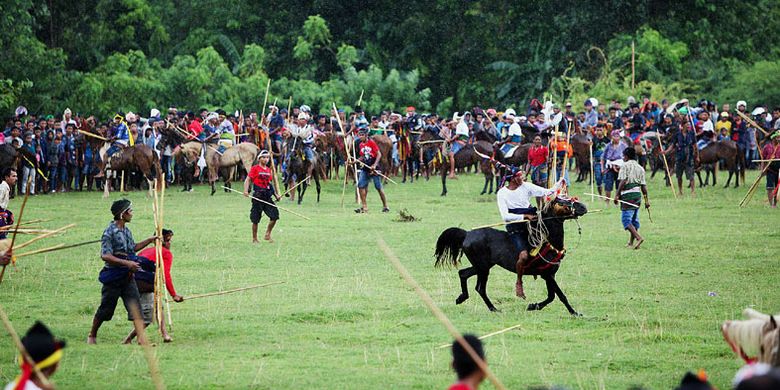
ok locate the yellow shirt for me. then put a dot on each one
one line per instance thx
(721, 124)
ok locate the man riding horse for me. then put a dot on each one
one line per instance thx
(514, 204)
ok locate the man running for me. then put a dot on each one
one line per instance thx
(514, 204)
(369, 155)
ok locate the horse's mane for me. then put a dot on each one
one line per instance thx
(746, 336)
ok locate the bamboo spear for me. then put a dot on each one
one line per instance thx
(151, 359)
(262, 116)
(271, 204)
(613, 199)
(666, 164)
(390, 256)
(42, 236)
(360, 101)
(88, 134)
(752, 123)
(592, 172)
(498, 332)
(211, 294)
(22, 350)
(349, 155)
(745, 200)
(375, 171)
(296, 186)
(55, 248)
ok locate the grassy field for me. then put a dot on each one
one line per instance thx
(345, 319)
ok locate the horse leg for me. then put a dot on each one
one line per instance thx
(701, 183)
(464, 275)
(731, 173)
(550, 296)
(481, 289)
(302, 191)
(443, 182)
(484, 187)
(562, 297)
(317, 185)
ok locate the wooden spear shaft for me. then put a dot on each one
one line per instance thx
(22, 350)
(262, 116)
(498, 332)
(752, 188)
(55, 248)
(377, 172)
(296, 186)
(88, 134)
(349, 155)
(271, 204)
(42, 236)
(211, 294)
(613, 199)
(752, 123)
(428, 301)
(151, 359)
(592, 173)
(666, 164)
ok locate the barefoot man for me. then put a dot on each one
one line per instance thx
(514, 204)
(261, 177)
(631, 188)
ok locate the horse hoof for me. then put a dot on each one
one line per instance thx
(493, 309)
(460, 300)
(575, 314)
(534, 306)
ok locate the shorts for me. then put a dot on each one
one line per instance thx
(110, 294)
(258, 208)
(681, 166)
(771, 179)
(610, 179)
(520, 241)
(364, 177)
(629, 218)
(456, 146)
(147, 308)
(598, 175)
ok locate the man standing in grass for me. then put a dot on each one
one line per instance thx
(631, 188)
(369, 155)
(117, 249)
(260, 177)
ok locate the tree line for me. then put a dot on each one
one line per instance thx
(98, 56)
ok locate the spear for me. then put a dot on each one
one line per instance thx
(270, 204)
(390, 256)
(487, 335)
(262, 116)
(375, 171)
(48, 234)
(613, 199)
(55, 248)
(296, 186)
(349, 156)
(360, 101)
(666, 164)
(215, 293)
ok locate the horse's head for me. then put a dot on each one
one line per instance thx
(567, 208)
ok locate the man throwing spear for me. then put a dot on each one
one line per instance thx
(261, 178)
(514, 204)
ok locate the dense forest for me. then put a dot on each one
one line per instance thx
(98, 56)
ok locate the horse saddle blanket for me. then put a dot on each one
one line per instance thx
(542, 258)
(508, 150)
(225, 144)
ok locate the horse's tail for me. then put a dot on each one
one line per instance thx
(449, 247)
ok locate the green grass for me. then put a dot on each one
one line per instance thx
(345, 319)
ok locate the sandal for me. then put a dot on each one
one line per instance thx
(360, 211)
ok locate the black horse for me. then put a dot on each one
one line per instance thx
(487, 247)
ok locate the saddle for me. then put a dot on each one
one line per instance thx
(509, 150)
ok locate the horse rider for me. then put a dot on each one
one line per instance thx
(120, 135)
(459, 139)
(514, 205)
(304, 132)
(514, 135)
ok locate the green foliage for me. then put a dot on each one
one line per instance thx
(464, 53)
(759, 82)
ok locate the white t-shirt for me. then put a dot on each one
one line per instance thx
(5, 193)
(515, 129)
(519, 198)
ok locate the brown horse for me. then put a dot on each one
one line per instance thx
(467, 157)
(138, 156)
(580, 145)
(711, 155)
(216, 162)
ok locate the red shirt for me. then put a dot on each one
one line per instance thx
(369, 150)
(195, 128)
(460, 386)
(770, 151)
(261, 176)
(151, 254)
(537, 155)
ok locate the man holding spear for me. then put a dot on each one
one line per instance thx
(631, 188)
(6, 216)
(369, 156)
(260, 177)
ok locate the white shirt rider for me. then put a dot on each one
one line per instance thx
(519, 198)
